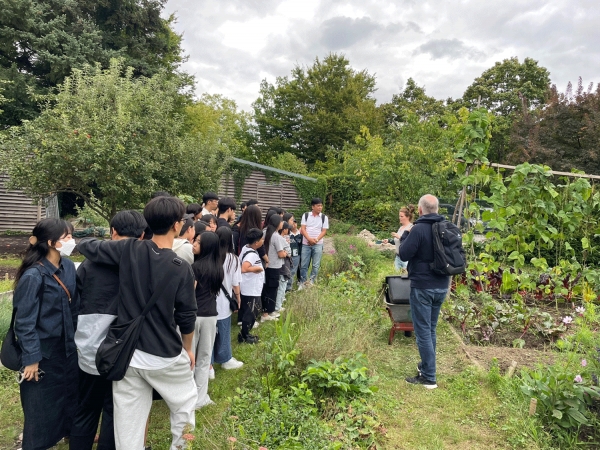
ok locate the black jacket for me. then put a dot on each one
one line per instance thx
(143, 268)
(417, 249)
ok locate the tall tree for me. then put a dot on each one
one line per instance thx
(565, 134)
(500, 89)
(319, 108)
(42, 41)
(114, 138)
(412, 101)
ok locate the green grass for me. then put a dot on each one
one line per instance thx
(463, 413)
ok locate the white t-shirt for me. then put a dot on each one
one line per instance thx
(252, 282)
(232, 278)
(314, 226)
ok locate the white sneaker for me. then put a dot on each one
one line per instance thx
(232, 364)
(267, 318)
(205, 402)
(211, 373)
(239, 324)
(255, 324)
(275, 314)
(282, 309)
(300, 286)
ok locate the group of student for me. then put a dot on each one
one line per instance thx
(201, 262)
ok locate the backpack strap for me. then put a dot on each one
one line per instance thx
(323, 216)
(245, 254)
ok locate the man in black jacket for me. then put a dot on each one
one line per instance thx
(428, 290)
(163, 359)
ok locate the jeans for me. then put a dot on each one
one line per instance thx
(222, 348)
(280, 292)
(314, 253)
(295, 262)
(399, 264)
(425, 305)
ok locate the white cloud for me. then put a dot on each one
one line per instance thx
(234, 44)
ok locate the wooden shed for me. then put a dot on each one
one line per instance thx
(19, 212)
(278, 190)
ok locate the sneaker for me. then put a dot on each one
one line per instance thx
(249, 340)
(267, 318)
(239, 324)
(275, 314)
(300, 286)
(211, 373)
(419, 369)
(420, 380)
(232, 364)
(282, 309)
(204, 403)
(255, 324)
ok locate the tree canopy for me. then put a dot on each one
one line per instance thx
(115, 138)
(41, 42)
(319, 108)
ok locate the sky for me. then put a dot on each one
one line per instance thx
(232, 45)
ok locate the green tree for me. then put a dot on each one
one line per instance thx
(564, 135)
(42, 41)
(114, 137)
(502, 89)
(412, 100)
(319, 108)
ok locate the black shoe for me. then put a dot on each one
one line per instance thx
(420, 380)
(248, 340)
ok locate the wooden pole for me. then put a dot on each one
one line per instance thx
(511, 370)
(532, 406)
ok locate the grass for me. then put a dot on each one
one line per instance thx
(334, 320)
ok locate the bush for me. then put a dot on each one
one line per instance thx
(348, 248)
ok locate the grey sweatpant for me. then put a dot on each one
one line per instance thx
(204, 341)
(132, 397)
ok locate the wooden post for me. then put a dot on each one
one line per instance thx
(532, 406)
(39, 210)
(511, 370)
(6, 276)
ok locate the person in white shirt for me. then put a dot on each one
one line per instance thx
(313, 228)
(182, 246)
(210, 202)
(251, 285)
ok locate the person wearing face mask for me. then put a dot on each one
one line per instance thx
(45, 308)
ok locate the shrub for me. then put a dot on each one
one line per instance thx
(347, 248)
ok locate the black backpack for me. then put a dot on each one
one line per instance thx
(449, 257)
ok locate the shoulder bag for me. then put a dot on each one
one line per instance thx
(115, 352)
(233, 304)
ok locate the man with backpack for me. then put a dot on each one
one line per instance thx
(429, 270)
(313, 227)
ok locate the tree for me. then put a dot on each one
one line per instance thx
(565, 134)
(42, 41)
(319, 108)
(500, 90)
(114, 137)
(412, 100)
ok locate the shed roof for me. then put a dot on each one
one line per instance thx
(273, 169)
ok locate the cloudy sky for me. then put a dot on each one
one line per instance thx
(234, 44)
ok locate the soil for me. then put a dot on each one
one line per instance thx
(13, 245)
(525, 357)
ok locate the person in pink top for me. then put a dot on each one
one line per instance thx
(313, 228)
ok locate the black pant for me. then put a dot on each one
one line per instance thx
(95, 397)
(269, 293)
(49, 404)
(252, 307)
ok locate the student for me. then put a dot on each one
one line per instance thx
(208, 271)
(285, 272)
(98, 287)
(210, 201)
(275, 246)
(163, 358)
(295, 245)
(45, 305)
(251, 219)
(313, 227)
(231, 284)
(251, 284)
(195, 210)
(210, 221)
(182, 245)
(226, 208)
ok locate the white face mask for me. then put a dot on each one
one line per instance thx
(67, 247)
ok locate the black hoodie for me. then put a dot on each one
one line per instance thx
(417, 249)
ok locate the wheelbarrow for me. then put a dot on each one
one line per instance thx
(397, 295)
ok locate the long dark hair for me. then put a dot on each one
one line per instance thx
(272, 226)
(226, 247)
(251, 218)
(208, 268)
(45, 230)
(270, 213)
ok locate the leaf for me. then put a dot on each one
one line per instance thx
(556, 413)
